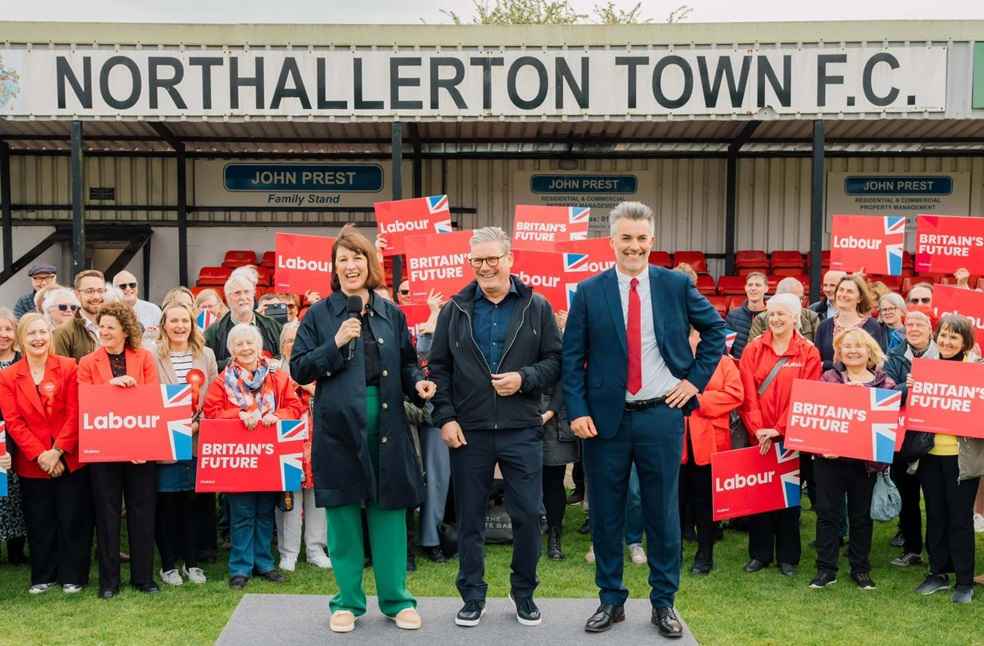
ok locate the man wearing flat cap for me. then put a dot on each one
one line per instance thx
(42, 275)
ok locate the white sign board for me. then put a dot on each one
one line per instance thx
(160, 82)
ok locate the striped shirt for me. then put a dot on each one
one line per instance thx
(182, 363)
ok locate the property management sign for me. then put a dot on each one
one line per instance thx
(478, 83)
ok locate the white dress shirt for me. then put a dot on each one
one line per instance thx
(657, 380)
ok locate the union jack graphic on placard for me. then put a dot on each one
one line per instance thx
(292, 430)
(174, 395)
(437, 203)
(204, 319)
(291, 471)
(571, 289)
(789, 474)
(576, 261)
(443, 226)
(179, 433)
(894, 226)
(729, 339)
(884, 406)
(578, 214)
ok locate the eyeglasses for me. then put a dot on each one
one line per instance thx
(127, 285)
(92, 291)
(890, 309)
(925, 300)
(491, 261)
(63, 307)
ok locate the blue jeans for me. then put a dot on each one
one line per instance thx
(251, 532)
(633, 510)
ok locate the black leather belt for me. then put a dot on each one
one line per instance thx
(643, 404)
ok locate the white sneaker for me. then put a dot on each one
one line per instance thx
(171, 577)
(40, 588)
(319, 560)
(979, 523)
(637, 554)
(288, 564)
(71, 588)
(194, 574)
(589, 557)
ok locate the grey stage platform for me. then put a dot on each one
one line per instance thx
(271, 619)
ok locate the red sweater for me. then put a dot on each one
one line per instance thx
(708, 427)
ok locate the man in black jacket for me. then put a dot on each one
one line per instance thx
(496, 347)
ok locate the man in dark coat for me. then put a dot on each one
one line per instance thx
(496, 347)
(241, 296)
(740, 319)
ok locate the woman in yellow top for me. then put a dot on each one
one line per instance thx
(949, 476)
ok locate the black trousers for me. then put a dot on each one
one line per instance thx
(554, 494)
(138, 482)
(949, 517)
(58, 514)
(775, 535)
(910, 518)
(834, 479)
(519, 454)
(175, 530)
(695, 489)
(206, 541)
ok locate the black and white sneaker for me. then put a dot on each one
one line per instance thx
(863, 579)
(934, 583)
(470, 614)
(527, 613)
(906, 560)
(823, 579)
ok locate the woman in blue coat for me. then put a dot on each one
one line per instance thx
(364, 366)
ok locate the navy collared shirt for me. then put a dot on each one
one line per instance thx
(490, 323)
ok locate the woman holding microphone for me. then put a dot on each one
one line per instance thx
(357, 348)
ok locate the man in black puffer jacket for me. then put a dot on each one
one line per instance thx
(496, 347)
(740, 319)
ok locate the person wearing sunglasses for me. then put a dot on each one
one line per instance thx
(920, 294)
(148, 314)
(60, 305)
(80, 336)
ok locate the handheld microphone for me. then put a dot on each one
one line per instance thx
(354, 307)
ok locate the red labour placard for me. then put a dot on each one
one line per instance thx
(544, 272)
(842, 420)
(966, 302)
(745, 482)
(303, 263)
(149, 422)
(946, 397)
(946, 243)
(539, 228)
(233, 459)
(583, 259)
(397, 220)
(867, 242)
(439, 263)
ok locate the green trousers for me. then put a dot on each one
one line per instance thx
(387, 537)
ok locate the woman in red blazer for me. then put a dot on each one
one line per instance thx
(121, 361)
(248, 390)
(39, 396)
(707, 431)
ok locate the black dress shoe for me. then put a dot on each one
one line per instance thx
(701, 568)
(755, 565)
(787, 569)
(238, 582)
(603, 618)
(666, 621)
(273, 576)
(108, 593)
(435, 554)
(554, 553)
(147, 588)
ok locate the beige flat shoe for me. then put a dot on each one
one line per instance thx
(408, 619)
(342, 621)
(979, 580)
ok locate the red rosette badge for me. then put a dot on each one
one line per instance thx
(195, 378)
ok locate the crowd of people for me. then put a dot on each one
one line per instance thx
(408, 428)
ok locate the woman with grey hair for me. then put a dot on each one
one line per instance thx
(60, 305)
(249, 390)
(891, 315)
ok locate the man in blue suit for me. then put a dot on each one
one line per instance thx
(629, 378)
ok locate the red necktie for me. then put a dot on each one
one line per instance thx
(633, 334)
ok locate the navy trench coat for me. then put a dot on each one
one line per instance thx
(340, 463)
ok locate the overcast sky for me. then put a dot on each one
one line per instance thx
(404, 11)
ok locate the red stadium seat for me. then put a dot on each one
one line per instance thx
(265, 275)
(731, 286)
(239, 257)
(213, 276)
(751, 258)
(894, 283)
(660, 259)
(744, 271)
(735, 302)
(772, 281)
(786, 258)
(782, 272)
(696, 259)
(705, 284)
(720, 303)
(269, 259)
